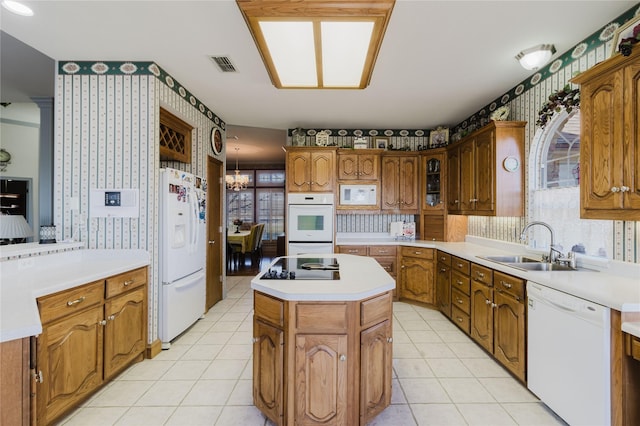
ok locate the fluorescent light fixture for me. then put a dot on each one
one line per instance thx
(17, 8)
(323, 44)
(535, 57)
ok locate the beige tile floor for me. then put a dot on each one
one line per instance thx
(440, 377)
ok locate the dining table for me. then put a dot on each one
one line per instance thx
(239, 238)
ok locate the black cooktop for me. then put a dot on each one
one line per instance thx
(303, 268)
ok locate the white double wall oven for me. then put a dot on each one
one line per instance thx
(310, 223)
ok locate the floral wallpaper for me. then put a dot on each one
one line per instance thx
(106, 136)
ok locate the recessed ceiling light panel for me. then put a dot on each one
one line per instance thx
(323, 44)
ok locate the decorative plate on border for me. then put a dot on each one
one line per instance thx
(500, 114)
(215, 140)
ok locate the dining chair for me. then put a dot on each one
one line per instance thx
(237, 249)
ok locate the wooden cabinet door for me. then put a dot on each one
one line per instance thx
(601, 144)
(347, 166)
(298, 171)
(632, 155)
(482, 315)
(433, 183)
(70, 358)
(268, 365)
(368, 166)
(125, 333)
(467, 176)
(483, 181)
(321, 379)
(443, 289)
(375, 370)
(322, 171)
(390, 183)
(453, 180)
(417, 280)
(408, 189)
(509, 333)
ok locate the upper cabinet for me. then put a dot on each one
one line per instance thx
(400, 182)
(310, 169)
(610, 139)
(487, 167)
(433, 180)
(358, 164)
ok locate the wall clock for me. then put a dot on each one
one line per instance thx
(511, 164)
(215, 140)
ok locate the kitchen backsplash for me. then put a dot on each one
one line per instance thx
(374, 223)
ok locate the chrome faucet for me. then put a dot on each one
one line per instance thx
(552, 257)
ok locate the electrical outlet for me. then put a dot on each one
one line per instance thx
(26, 263)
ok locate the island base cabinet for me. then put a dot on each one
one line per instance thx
(70, 362)
(375, 371)
(322, 362)
(321, 379)
(268, 363)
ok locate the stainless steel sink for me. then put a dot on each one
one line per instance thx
(540, 266)
(527, 264)
(510, 259)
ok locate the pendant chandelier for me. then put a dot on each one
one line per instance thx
(237, 182)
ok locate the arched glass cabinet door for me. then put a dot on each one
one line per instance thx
(432, 189)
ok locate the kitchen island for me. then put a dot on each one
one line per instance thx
(322, 347)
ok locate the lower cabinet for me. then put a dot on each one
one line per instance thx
(321, 379)
(385, 255)
(375, 370)
(89, 334)
(308, 367)
(498, 317)
(443, 283)
(417, 279)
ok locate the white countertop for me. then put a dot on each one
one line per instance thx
(23, 280)
(617, 292)
(360, 278)
(632, 328)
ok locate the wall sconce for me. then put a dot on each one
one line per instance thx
(535, 57)
(5, 159)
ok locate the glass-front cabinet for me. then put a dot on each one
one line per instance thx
(432, 185)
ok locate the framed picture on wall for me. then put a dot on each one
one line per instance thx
(438, 137)
(215, 139)
(381, 142)
(624, 32)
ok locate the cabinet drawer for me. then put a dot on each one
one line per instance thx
(444, 258)
(418, 252)
(460, 265)
(322, 317)
(461, 319)
(375, 310)
(70, 301)
(355, 250)
(124, 282)
(461, 301)
(508, 284)
(268, 309)
(382, 251)
(388, 264)
(482, 274)
(460, 282)
(633, 347)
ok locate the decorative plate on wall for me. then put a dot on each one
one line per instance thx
(216, 140)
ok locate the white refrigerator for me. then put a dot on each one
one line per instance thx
(182, 252)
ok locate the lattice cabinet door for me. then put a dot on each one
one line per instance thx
(175, 138)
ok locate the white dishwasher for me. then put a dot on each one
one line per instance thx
(568, 355)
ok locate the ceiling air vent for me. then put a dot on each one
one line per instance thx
(224, 63)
